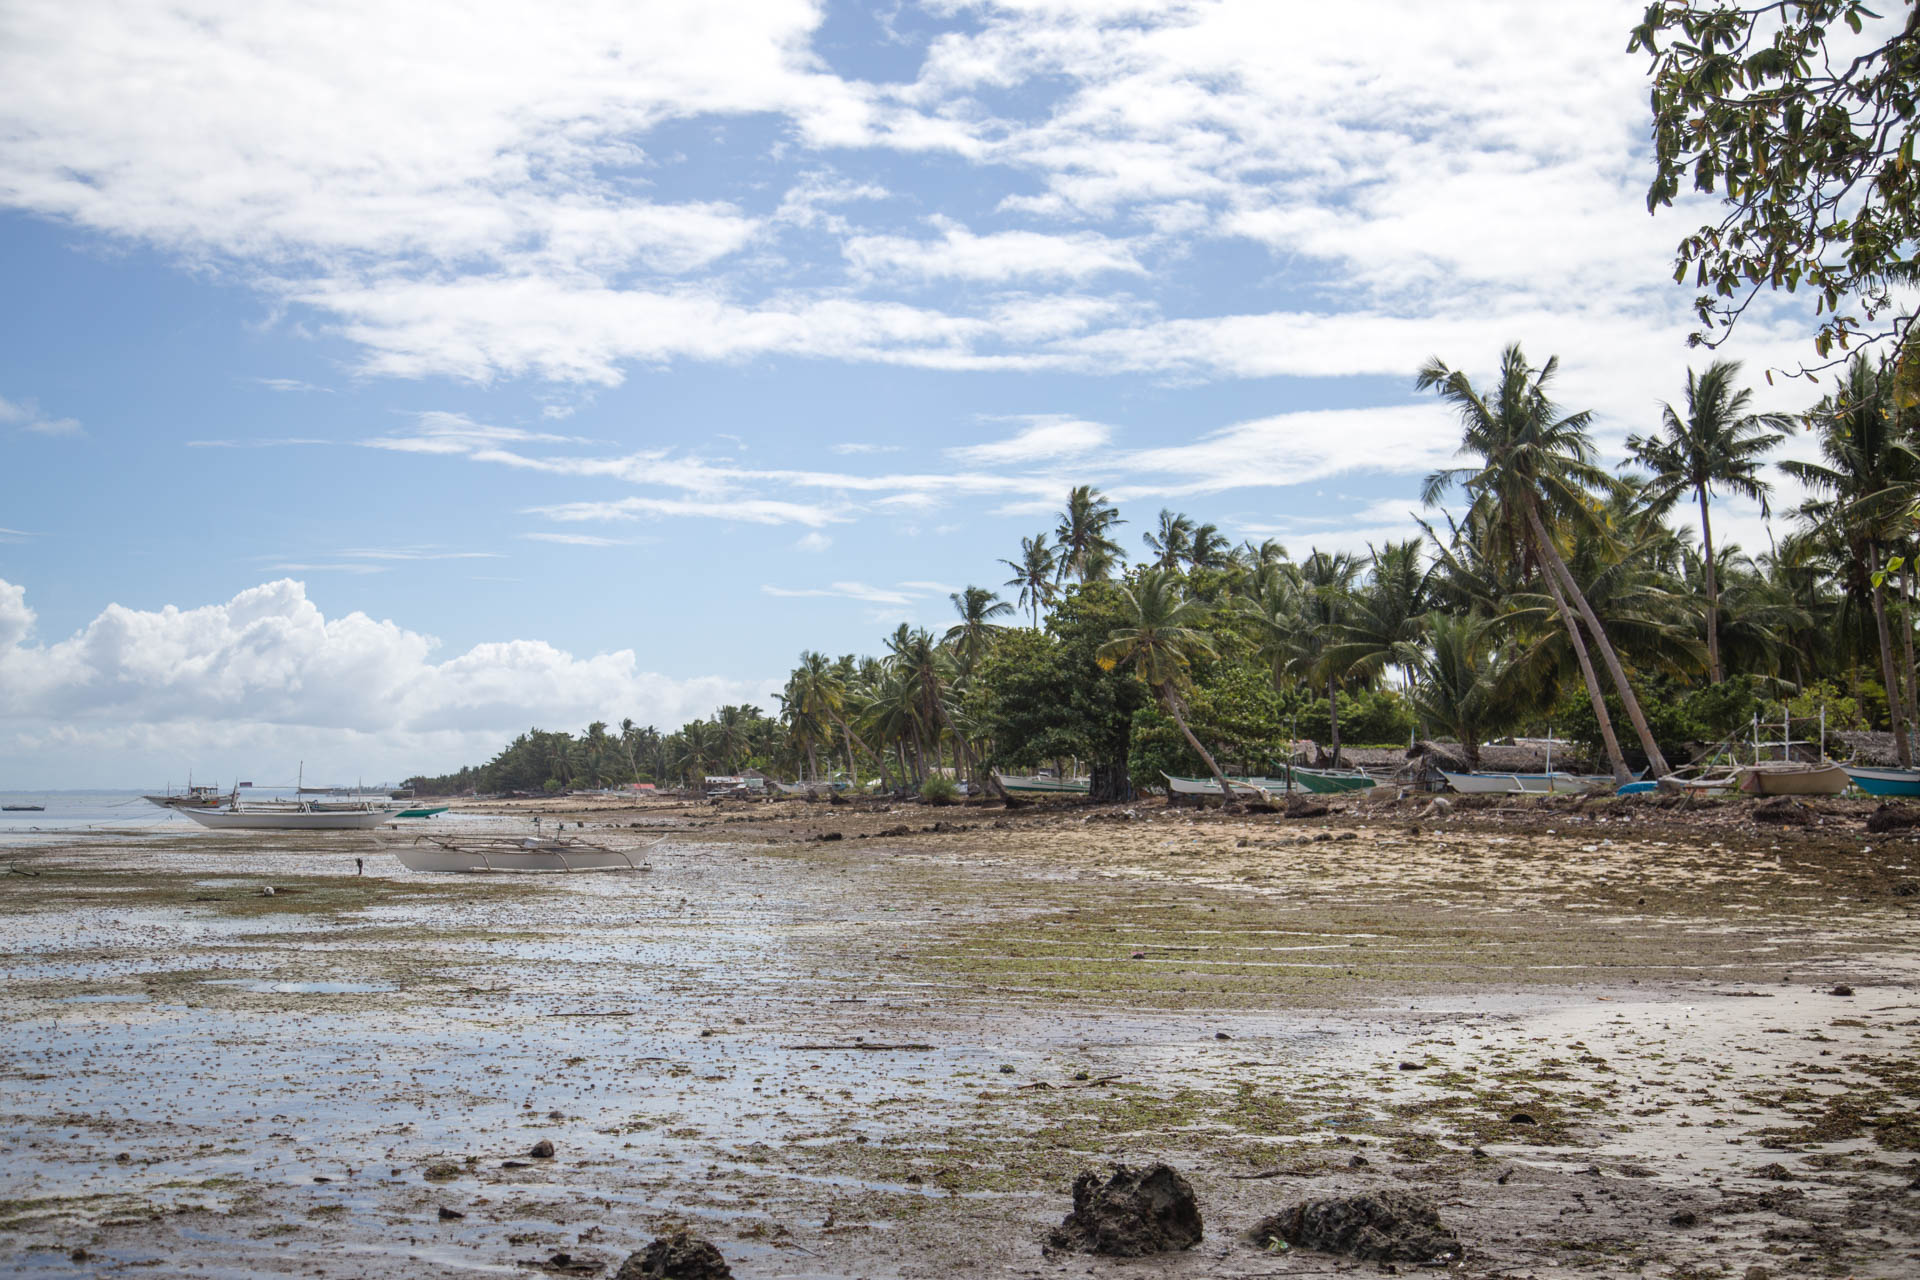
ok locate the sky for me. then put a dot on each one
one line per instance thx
(378, 381)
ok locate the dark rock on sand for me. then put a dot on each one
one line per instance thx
(444, 1171)
(1306, 807)
(676, 1257)
(829, 835)
(1684, 1218)
(1893, 817)
(542, 1150)
(1782, 811)
(450, 1215)
(1134, 1213)
(1841, 990)
(889, 833)
(1380, 1226)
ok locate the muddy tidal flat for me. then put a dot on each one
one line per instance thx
(1602, 1040)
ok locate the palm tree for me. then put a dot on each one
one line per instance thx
(1535, 463)
(1386, 614)
(972, 636)
(1721, 441)
(1460, 679)
(1085, 535)
(1863, 491)
(1035, 572)
(1169, 544)
(1161, 645)
(1327, 581)
(1208, 549)
(818, 689)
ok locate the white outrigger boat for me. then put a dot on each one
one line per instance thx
(294, 817)
(429, 853)
(1254, 788)
(1514, 784)
(1044, 784)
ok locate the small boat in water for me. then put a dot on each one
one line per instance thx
(1885, 782)
(301, 816)
(23, 808)
(432, 853)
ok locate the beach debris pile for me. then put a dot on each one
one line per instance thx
(1377, 1226)
(1134, 1213)
(678, 1256)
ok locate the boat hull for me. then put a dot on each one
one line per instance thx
(186, 802)
(1208, 787)
(1330, 782)
(1516, 784)
(1886, 782)
(1045, 786)
(325, 820)
(427, 812)
(1814, 780)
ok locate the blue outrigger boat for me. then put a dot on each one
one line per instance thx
(1885, 782)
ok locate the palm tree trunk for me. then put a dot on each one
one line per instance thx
(1615, 760)
(1896, 704)
(1656, 762)
(852, 738)
(1333, 717)
(1713, 589)
(1171, 701)
(1906, 644)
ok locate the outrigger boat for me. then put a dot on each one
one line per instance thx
(290, 817)
(1046, 785)
(1327, 781)
(1208, 787)
(194, 797)
(1493, 784)
(435, 853)
(1885, 782)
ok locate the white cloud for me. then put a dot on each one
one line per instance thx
(843, 591)
(960, 254)
(814, 542)
(854, 447)
(290, 384)
(578, 539)
(1045, 439)
(266, 669)
(25, 415)
(749, 511)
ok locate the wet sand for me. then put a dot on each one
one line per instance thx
(1599, 1044)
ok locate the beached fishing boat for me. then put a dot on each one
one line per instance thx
(425, 811)
(1044, 785)
(1792, 778)
(1493, 784)
(1327, 781)
(478, 856)
(290, 817)
(1885, 782)
(1208, 787)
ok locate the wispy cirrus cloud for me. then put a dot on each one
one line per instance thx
(25, 415)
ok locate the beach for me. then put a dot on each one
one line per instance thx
(881, 1040)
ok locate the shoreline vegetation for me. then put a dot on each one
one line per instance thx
(1553, 598)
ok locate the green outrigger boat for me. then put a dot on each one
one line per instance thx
(427, 812)
(1328, 781)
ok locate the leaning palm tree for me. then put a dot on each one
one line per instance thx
(1161, 644)
(1085, 535)
(1720, 442)
(1535, 464)
(972, 636)
(1863, 489)
(1035, 573)
(1170, 541)
(1209, 549)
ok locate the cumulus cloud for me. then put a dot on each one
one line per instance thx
(268, 664)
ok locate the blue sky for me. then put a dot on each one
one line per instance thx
(376, 383)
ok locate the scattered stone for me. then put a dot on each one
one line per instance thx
(1358, 1162)
(1478, 1154)
(1893, 817)
(558, 1115)
(542, 1150)
(450, 1215)
(1303, 807)
(1413, 1066)
(1521, 1117)
(889, 833)
(124, 1157)
(78, 1255)
(830, 835)
(1783, 811)
(1776, 1171)
(1006, 1069)
(1841, 989)
(1906, 889)
(1221, 1035)
(444, 1171)
(1380, 1226)
(676, 1257)
(1758, 1272)
(1684, 1218)
(1134, 1213)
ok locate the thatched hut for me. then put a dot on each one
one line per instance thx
(1869, 747)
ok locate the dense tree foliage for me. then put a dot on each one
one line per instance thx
(1800, 114)
(1560, 598)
